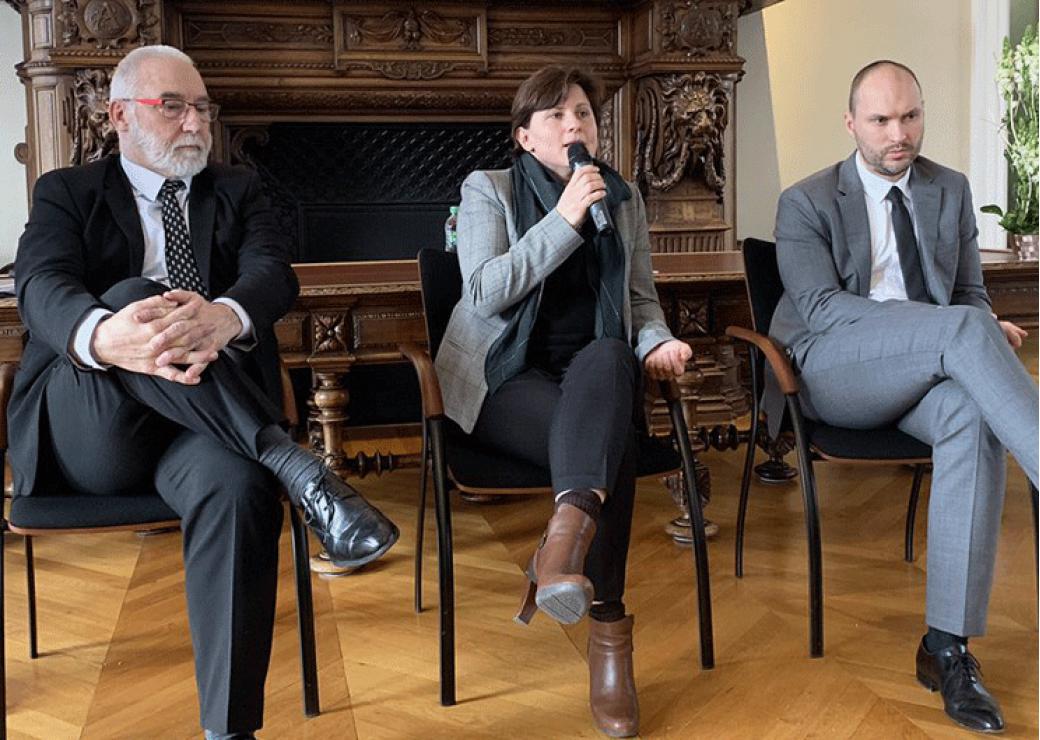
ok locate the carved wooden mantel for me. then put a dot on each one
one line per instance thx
(669, 67)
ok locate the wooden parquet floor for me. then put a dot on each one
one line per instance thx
(116, 657)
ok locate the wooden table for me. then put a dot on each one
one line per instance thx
(356, 313)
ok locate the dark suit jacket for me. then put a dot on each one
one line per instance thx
(823, 251)
(84, 236)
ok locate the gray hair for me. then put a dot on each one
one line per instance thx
(127, 73)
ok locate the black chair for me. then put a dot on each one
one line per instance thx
(34, 516)
(475, 469)
(814, 441)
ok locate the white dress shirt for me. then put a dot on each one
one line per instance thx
(145, 185)
(886, 274)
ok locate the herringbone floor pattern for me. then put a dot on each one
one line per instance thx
(116, 655)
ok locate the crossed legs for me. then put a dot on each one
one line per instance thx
(947, 376)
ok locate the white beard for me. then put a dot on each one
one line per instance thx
(172, 162)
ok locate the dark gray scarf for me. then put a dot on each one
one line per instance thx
(536, 192)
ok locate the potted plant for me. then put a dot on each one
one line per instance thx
(1017, 79)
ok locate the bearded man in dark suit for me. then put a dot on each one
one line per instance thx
(150, 283)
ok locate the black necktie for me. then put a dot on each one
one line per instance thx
(906, 246)
(180, 261)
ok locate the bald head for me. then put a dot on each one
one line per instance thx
(881, 66)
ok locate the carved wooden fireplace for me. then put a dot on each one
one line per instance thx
(363, 118)
(321, 94)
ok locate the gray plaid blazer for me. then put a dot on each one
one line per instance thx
(499, 269)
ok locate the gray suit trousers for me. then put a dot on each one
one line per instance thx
(947, 376)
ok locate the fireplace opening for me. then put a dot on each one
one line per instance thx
(367, 191)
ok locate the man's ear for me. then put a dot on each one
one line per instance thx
(117, 115)
(849, 124)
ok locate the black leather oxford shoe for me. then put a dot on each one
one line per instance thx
(351, 530)
(955, 672)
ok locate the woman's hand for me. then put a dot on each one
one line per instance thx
(585, 187)
(667, 360)
(1015, 334)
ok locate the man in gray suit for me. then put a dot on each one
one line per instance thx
(886, 318)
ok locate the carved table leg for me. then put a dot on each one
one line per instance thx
(330, 399)
(774, 470)
(679, 528)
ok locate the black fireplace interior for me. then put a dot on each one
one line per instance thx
(369, 191)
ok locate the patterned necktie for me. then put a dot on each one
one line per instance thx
(906, 246)
(180, 261)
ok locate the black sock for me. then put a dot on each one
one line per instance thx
(584, 499)
(289, 462)
(608, 611)
(939, 640)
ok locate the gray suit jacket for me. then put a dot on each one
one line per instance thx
(499, 269)
(823, 251)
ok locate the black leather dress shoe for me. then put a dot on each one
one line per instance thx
(955, 672)
(352, 530)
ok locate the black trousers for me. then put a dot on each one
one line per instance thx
(580, 426)
(116, 431)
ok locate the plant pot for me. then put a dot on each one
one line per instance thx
(1024, 246)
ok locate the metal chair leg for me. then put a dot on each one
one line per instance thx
(3, 630)
(30, 583)
(305, 614)
(420, 526)
(1036, 535)
(911, 513)
(445, 565)
(749, 463)
(700, 545)
(812, 530)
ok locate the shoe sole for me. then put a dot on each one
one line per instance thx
(369, 558)
(567, 603)
(933, 687)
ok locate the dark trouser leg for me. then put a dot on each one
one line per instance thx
(225, 406)
(108, 429)
(231, 517)
(581, 429)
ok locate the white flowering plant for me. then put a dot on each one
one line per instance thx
(1017, 79)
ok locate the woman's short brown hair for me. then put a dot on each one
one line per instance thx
(546, 89)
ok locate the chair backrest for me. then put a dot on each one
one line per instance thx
(763, 281)
(440, 281)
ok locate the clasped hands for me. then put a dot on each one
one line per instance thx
(173, 336)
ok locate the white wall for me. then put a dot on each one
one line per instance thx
(801, 55)
(13, 203)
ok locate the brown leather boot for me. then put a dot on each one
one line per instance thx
(558, 585)
(612, 685)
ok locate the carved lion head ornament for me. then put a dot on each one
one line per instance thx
(680, 122)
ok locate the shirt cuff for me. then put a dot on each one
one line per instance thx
(246, 338)
(81, 340)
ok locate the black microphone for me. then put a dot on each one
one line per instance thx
(579, 156)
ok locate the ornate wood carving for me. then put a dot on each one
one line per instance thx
(427, 100)
(523, 36)
(330, 332)
(698, 27)
(216, 33)
(408, 30)
(108, 24)
(92, 135)
(680, 122)
(414, 43)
